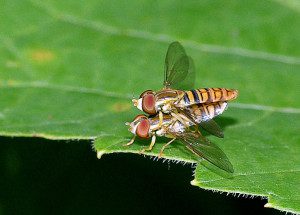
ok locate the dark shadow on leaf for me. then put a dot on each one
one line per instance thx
(226, 121)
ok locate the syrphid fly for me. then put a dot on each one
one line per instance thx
(179, 78)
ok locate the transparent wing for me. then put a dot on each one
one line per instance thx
(178, 68)
(175, 53)
(202, 147)
(189, 81)
(212, 127)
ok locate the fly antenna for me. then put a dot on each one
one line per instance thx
(135, 102)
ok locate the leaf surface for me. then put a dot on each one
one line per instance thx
(68, 70)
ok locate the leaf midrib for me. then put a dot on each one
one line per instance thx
(126, 96)
(66, 88)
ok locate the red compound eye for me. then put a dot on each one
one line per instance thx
(145, 93)
(148, 104)
(143, 128)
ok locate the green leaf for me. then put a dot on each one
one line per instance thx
(69, 69)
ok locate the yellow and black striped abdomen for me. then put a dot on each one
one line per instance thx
(205, 112)
(207, 95)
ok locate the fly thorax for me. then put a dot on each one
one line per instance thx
(158, 107)
(167, 108)
(161, 132)
(164, 105)
(154, 127)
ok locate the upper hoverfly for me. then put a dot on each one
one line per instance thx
(179, 75)
(181, 127)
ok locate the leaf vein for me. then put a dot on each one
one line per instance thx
(41, 84)
(66, 122)
(45, 85)
(209, 48)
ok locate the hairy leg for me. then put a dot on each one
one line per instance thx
(150, 146)
(130, 142)
(163, 148)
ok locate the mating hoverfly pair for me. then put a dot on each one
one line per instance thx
(177, 114)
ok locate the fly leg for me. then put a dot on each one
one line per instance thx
(180, 119)
(130, 142)
(150, 146)
(161, 117)
(164, 146)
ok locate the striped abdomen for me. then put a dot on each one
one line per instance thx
(207, 95)
(205, 112)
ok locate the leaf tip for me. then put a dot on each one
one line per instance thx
(100, 153)
(268, 205)
(194, 182)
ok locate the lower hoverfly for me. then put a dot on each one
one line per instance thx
(180, 127)
(179, 75)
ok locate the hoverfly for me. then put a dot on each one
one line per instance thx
(180, 74)
(180, 127)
